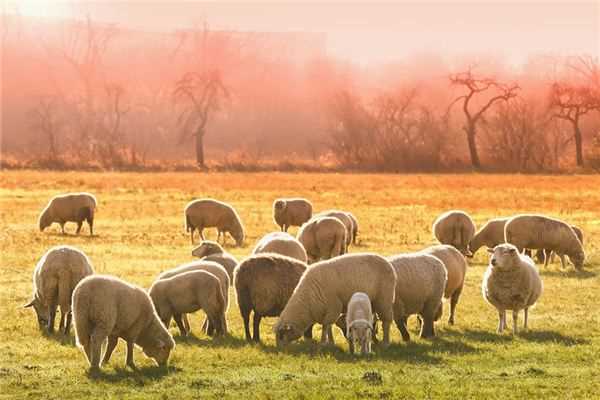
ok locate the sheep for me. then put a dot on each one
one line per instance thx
(108, 307)
(281, 243)
(511, 282)
(323, 238)
(359, 322)
(70, 207)
(455, 228)
(420, 283)
(202, 265)
(291, 212)
(54, 279)
(530, 231)
(354, 226)
(490, 235)
(209, 250)
(264, 283)
(208, 213)
(188, 292)
(326, 288)
(344, 218)
(456, 268)
(542, 255)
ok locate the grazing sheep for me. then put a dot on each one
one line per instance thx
(291, 212)
(202, 265)
(456, 267)
(281, 243)
(106, 307)
(326, 288)
(323, 238)
(354, 227)
(344, 218)
(264, 283)
(186, 293)
(511, 282)
(529, 231)
(490, 235)
(359, 322)
(420, 283)
(54, 279)
(542, 255)
(455, 228)
(208, 213)
(212, 251)
(70, 207)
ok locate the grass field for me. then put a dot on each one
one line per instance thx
(139, 228)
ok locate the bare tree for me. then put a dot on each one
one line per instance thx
(47, 122)
(110, 135)
(475, 88)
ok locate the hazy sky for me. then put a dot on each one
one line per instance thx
(369, 32)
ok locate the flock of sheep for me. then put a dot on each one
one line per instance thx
(352, 291)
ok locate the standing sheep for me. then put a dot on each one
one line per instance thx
(186, 293)
(359, 322)
(212, 251)
(106, 307)
(208, 213)
(420, 283)
(344, 218)
(281, 243)
(456, 268)
(542, 255)
(511, 282)
(455, 228)
(54, 279)
(490, 235)
(202, 265)
(70, 207)
(291, 212)
(323, 238)
(325, 289)
(264, 283)
(530, 231)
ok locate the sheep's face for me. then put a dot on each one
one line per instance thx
(40, 311)
(504, 256)
(286, 333)
(279, 206)
(160, 351)
(360, 332)
(207, 248)
(578, 258)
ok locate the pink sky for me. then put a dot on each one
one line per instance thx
(371, 32)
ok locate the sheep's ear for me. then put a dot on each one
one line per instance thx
(30, 304)
(490, 250)
(512, 250)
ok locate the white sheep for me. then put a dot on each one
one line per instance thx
(344, 218)
(323, 238)
(70, 207)
(281, 243)
(455, 228)
(511, 282)
(359, 322)
(106, 307)
(54, 279)
(490, 235)
(291, 212)
(209, 213)
(209, 250)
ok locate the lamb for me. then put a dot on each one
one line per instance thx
(344, 218)
(208, 213)
(359, 322)
(291, 212)
(542, 255)
(511, 282)
(420, 283)
(326, 288)
(188, 292)
(455, 228)
(281, 243)
(212, 251)
(530, 231)
(354, 226)
(106, 307)
(54, 279)
(490, 235)
(323, 238)
(264, 283)
(70, 207)
(202, 265)
(456, 268)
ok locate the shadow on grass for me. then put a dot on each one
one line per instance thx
(226, 341)
(84, 235)
(140, 375)
(552, 337)
(59, 337)
(570, 273)
(532, 336)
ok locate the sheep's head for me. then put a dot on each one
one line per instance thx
(40, 311)
(237, 232)
(160, 350)
(504, 256)
(45, 219)
(286, 333)
(279, 205)
(360, 331)
(207, 248)
(577, 258)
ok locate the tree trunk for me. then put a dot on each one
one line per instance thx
(200, 148)
(578, 143)
(470, 130)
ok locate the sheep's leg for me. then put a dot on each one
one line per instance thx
(526, 318)
(364, 346)
(453, 302)
(79, 223)
(97, 338)
(110, 347)
(501, 320)
(205, 325)
(308, 333)
(201, 230)
(51, 317)
(62, 321)
(68, 322)
(90, 221)
(563, 261)
(256, 326)
(129, 360)
(386, 331)
(192, 229)
(427, 330)
(246, 318)
(515, 318)
(186, 322)
(546, 261)
(325, 334)
(179, 322)
(211, 326)
(62, 227)
(351, 345)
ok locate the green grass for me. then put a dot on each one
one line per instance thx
(140, 233)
